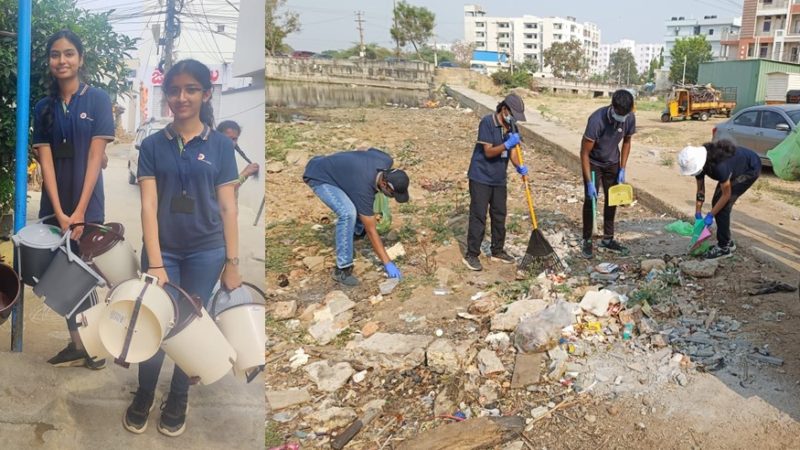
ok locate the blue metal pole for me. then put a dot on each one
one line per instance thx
(21, 174)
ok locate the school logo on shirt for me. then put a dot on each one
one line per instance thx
(85, 116)
(202, 157)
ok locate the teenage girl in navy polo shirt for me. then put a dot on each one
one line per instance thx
(187, 174)
(71, 128)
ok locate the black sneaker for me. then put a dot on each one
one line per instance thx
(613, 246)
(94, 364)
(69, 357)
(586, 249)
(173, 415)
(732, 246)
(359, 236)
(345, 276)
(472, 262)
(503, 257)
(135, 418)
(717, 252)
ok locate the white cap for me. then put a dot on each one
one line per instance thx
(692, 159)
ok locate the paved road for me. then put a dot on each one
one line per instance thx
(75, 408)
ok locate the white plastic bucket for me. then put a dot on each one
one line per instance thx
(242, 324)
(89, 330)
(105, 247)
(138, 317)
(196, 345)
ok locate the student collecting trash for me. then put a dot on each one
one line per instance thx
(71, 128)
(735, 169)
(187, 174)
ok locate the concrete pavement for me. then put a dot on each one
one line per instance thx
(42, 407)
(765, 226)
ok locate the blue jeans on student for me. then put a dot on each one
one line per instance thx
(347, 223)
(196, 272)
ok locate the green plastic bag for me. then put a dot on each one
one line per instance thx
(701, 249)
(786, 158)
(382, 212)
(680, 227)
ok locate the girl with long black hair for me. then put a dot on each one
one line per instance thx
(71, 128)
(187, 174)
(735, 169)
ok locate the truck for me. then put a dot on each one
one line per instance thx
(698, 102)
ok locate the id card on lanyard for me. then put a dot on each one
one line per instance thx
(182, 203)
(64, 148)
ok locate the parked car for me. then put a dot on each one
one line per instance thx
(302, 54)
(480, 68)
(448, 64)
(151, 127)
(759, 128)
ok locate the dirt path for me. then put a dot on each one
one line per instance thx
(633, 404)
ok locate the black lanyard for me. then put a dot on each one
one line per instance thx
(64, 122)
(182, 160)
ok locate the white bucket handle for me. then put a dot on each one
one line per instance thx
(213, 310)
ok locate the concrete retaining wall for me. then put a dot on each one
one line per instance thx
(402, 75)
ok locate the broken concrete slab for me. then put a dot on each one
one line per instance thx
(338, 302)
(489, 364)
(441, 357)
(284, 310)
(277, 400)
(705, 268)
(484, 305)
(527, 370)
(328, 418)
(391, 350)
(508, 320)
(329, 377)
(314, 263)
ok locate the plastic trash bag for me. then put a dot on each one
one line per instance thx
(785, 158)
(541, 331)
(680, 227)
(382, 213)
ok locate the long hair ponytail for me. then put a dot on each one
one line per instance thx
(202, 74)
(49, 111)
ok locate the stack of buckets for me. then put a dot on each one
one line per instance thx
(138, 317)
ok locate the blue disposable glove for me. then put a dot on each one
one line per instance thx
(621, 176)
(590, 190)
(513, 139)
(522, 170)
(698, 216)
(391, 270)
(709, 219)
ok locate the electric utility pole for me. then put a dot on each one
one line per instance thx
(683, 81)
(169, 38)
(360, 24)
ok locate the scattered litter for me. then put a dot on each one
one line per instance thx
(298, 359)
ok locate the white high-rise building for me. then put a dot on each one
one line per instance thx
(527, 37)
(715, 30)
(642, 53)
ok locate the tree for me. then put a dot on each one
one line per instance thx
(414, 25)
(622, 67)
(694, 50)
(426, 54)
(372, 51)
(528, 65)
(277, 26)
(462, 51)
(566, 59)
(104, 67)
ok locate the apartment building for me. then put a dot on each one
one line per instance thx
(770, 30)
(642, 53)
(527, 37)
(716, 30)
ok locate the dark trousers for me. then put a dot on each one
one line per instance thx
(605, 177)
(738, 187)
(481, 198)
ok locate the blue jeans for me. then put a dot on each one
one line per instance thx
(346, 224)
(196, 272)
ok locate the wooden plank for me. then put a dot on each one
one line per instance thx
(472, 434)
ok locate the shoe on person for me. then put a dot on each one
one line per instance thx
(70, 356)
(135, 418)
(586, 249)
(345, 276)
(732, 246)
(503, 257)
(613, 246)
(472, 262)
(94, 364)
(359, 236)
(717, 252)
(173, 415)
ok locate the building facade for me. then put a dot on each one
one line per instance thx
(715, 30)
(642, 53)
(527, 37)
(770, 30)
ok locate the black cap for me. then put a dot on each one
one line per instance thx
(398, 180)
(517, 107)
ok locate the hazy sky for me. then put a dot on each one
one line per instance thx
(331, 24)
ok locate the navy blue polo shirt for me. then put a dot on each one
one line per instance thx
(743, 162)
(484, 170)
(207, 162)
(353, 172)
(607, 133)
(88, 116)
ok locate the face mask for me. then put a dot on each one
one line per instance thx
(617, 117)
(508, 119)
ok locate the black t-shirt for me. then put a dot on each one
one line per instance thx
(743, 162)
